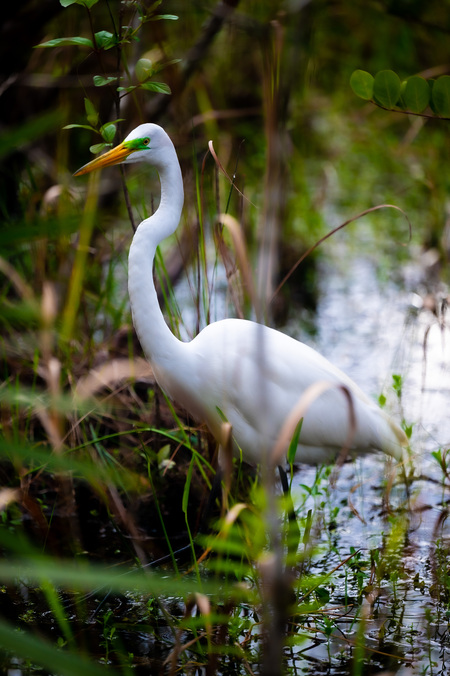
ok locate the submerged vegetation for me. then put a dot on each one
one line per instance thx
(107, 562)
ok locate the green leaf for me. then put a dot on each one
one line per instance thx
(187, 488)
(79, 126)
(431, 83)
(416, 94)
(159, 87)
(91, 112)
(65, 42)
(143, 69)
(437, 455)
(397, 384)
(441, 96)
(98, 147)
(168, 17)
(387, 88)
(127, 89)
(43, 652)
(105, 40)
(101, 81)
(73, 575)
(108, 131)
(84, 3)
(294, 443)
(362, 84)
(408, 429)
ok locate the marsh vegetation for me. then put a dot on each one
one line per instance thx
(102, 479)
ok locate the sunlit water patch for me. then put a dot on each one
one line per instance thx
(373, 330)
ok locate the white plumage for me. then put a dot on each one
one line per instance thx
(249, 373)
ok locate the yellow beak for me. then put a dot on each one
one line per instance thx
(114, 156)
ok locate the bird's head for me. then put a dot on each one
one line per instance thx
(147, 143)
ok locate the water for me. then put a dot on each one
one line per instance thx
(372, 330)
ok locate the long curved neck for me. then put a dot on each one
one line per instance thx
(157, 340)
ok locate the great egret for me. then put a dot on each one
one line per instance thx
(249, 374)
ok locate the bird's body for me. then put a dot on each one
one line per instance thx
(249, 374)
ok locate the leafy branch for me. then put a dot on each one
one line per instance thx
(104, 40)
(144, 71)
(412, 96)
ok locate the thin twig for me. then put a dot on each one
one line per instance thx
(332, 232)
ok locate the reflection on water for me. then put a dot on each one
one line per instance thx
(371, 331)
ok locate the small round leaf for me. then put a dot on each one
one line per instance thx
(441, 96)
(143, 69)
(362, 84)
(91, 113)
(105, 40)
(101, 81)
(386, 88)
(98, 147)
(159, 87)
(416, 94)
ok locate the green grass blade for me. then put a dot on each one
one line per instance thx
(43, 653)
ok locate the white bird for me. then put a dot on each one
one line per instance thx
(252, 375)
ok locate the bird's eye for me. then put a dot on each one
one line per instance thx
(145, 141)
